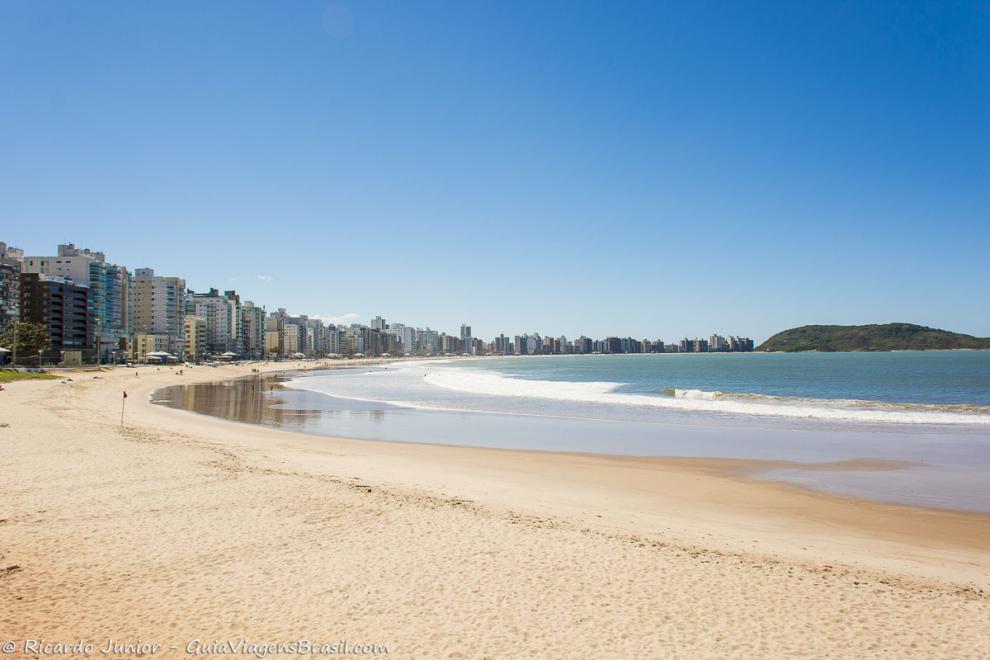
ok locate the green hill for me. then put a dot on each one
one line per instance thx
(886, 337)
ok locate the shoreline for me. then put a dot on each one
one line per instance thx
(738, 470)
(478, 535)
(747, 469)
(319, 413)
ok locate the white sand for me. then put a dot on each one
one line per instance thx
(181, 526)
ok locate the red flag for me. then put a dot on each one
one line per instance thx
(125, 395)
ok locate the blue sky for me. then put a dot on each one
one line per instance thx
(651, 169)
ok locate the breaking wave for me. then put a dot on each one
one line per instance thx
(494, 384)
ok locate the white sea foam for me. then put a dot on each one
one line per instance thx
(696, 394)
(494, 384)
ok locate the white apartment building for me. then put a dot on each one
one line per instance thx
(223, 319)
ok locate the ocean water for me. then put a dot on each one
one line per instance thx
(916, 425)
(941, 388)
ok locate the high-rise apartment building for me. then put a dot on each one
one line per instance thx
(107, 296)
(62, 307)
(253, 329)
(274, 339)
(223, 319)
(10, 284)
(194, 333)
(718, 344)
(291, 339)
(158, 307)
(583, 345)
(503, 345)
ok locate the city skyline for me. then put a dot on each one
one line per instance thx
(345, 320)
(583, 167)
(96, 310)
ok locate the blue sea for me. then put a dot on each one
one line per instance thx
(909, 388)
(923, 416)
(915, 377)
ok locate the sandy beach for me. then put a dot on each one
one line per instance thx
(177, 527)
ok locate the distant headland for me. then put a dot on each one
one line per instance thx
(874, 337)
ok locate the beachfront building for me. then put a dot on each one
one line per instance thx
(429, 341)
(223, 319)
(307, 340)
(10, 284)
(528, 344)
(346, 342)
(291, 336)
(194, 333)
(502, 345)
(274, 340)
(377, 343)
(157, 308)
(367, 341)
(107, 296)
(466, 339)
(315, 338)
(334, 340)
(60, 305)
(307, 335)
(144, 343)
(253, 329)
(449, 343)
(406, 337)
(741, 344)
